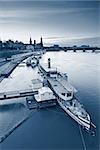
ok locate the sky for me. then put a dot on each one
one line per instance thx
(57, 21)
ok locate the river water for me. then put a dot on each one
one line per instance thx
(52, 128)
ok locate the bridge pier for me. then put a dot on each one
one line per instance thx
(84, 50)
(74, 50)
(93, 50)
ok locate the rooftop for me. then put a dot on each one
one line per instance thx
(44, 90)
(45, 97)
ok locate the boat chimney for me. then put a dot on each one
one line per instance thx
(49, 64)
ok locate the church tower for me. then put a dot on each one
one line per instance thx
(30, 41)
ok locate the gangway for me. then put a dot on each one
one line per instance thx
(17, 94)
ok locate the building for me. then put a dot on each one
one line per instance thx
(35, 46)
(30, 46)
(84, 46)
(11, 45)
(44, 98)
(38, 46)
(44, 94)
(55, 47)
(19, 45)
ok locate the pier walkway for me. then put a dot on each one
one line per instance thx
(17, 94)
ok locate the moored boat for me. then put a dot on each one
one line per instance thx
(76, 111)
(65, 94)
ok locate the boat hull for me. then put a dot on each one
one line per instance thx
(79, 121)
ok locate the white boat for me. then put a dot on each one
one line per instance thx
(34, 63)
(65, 94)
(76, 111)
(65, 97)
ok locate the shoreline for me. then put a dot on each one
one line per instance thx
(8, 67)
(5, 73)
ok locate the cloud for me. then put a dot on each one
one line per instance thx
(53, 19)
(31, 13)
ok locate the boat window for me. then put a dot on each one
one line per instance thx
(68, 94)
(63, 94)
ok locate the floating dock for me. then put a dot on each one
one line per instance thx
(45, 97)
(33, 104)
(37, 97)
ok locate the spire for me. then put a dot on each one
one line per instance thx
(30, 41)
(41, 41)
(34, 42)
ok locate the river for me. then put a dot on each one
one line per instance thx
(52, 128)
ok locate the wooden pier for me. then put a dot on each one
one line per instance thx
(17, 94)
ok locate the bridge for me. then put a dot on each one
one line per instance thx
(84, 49)
(74, 49)
(17, 94)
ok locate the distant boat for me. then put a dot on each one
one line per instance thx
(34, 63)
(28, 62)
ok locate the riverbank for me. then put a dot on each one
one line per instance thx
(15, 111)
(9, 66)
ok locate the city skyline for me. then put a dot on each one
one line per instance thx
(56, 21)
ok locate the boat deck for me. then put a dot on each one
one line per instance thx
(66, 84)
(45, 68)
(57, 86)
